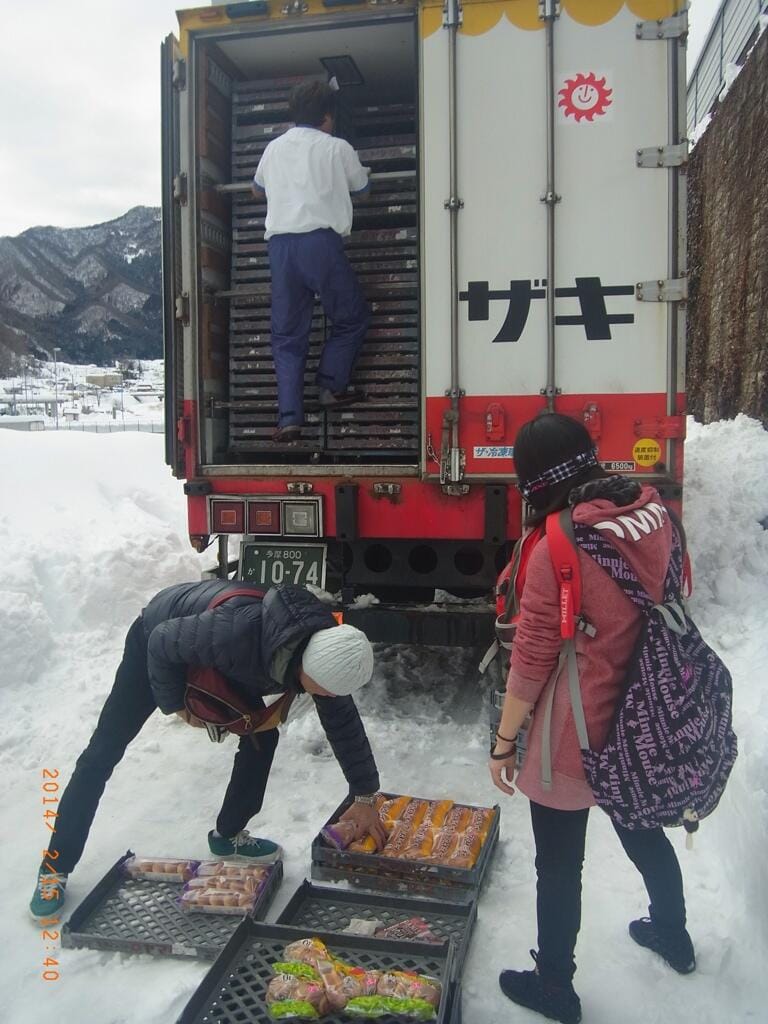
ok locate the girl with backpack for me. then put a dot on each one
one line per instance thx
(557, 468)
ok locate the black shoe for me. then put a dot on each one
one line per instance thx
(553, 999)
(330, 401)
(674, 947)
(287, 434)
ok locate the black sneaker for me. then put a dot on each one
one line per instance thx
(674, 947)
(330, 401)
(555, 1000)
(287, 434)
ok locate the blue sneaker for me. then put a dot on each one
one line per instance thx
(49, 893)
(258, 851)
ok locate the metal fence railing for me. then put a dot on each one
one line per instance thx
(112, 428)
(732, 33)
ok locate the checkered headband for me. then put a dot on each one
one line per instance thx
(556, 474)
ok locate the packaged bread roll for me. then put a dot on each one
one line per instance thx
(420, 842)
(466, 850)
(437, 812)
(392, 809)
(161, 869)
(446, 841)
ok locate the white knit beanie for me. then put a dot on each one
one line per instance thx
(339, 659)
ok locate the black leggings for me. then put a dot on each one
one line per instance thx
(127, 708)
(560, 837)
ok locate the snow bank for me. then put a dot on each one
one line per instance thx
(91, 526)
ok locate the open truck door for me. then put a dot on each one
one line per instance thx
(172, 69)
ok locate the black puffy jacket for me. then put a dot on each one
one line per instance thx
(257, 645)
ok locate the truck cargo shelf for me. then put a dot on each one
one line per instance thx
(384, 251)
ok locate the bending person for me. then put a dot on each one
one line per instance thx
(289, 641)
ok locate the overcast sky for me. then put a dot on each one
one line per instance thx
(80, 106)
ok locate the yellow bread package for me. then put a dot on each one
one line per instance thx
(437, 812)
(397, 841)
(391, 810)
(420, 842)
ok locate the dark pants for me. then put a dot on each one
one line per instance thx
(126, 710)
(560, 837)
(303, 266)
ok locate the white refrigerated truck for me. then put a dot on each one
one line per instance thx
(523, 247)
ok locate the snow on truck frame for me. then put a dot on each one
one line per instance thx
(522, 247)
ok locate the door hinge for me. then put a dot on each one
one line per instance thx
(664, 28)
(661, 427)
(674, 290)
(663, 156)
(180, 193)
(182, 308)
(179, 75)
(295, 7)
(549, 10)
(299, 487)
(453, 14)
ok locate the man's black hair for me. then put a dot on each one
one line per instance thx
(544, 442)
(310, 102)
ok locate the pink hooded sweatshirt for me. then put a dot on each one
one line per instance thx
(602, 659)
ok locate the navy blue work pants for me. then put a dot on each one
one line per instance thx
(303, 266)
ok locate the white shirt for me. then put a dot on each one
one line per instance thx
(308, 176)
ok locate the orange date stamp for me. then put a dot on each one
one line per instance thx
(50, 933)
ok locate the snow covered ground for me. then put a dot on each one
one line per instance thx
(91, 526)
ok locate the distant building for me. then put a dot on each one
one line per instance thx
(105, 380)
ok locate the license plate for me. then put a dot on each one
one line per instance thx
(269, 565)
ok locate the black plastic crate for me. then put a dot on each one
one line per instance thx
(372, 871)
(233, 991)
(332, 909)
(132, 915)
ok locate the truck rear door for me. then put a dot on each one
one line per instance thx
(173, 299)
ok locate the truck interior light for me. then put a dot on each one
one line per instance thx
(228, 517)
(301, 519)
(264, 517)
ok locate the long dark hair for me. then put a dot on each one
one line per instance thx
(544, 442)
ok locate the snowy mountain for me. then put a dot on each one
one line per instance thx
(94, 292)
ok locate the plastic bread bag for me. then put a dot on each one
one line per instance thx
(415, 929)
(420, 842)
(161, 869)
(457, 818)
(216, 901)
(367, 845)
(466, 850)
(405, 985)
(371, 1007)
(437, 812)
(306, 951)
(231, 869)
(341, 834)
(293, 1009)
(397, 842)
(413, 815)
(391, 810)
(295, 984)
(249, 883)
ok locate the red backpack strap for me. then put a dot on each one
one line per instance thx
(564, 555)
(225, 595)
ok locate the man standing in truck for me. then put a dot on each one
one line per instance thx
(307, 176)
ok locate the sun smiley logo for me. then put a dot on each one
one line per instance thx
(585, 97)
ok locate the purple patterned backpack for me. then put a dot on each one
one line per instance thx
(671, 747)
